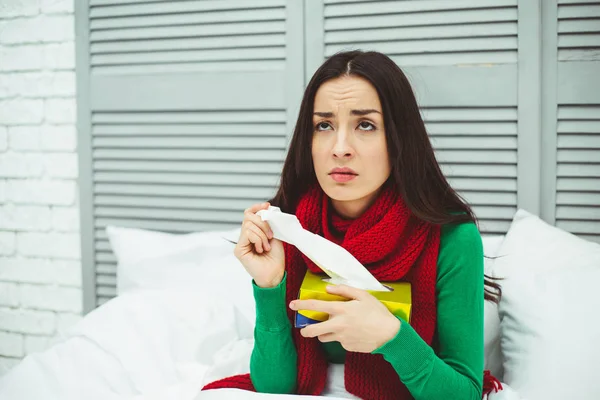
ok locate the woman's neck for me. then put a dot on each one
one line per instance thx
(353, 209)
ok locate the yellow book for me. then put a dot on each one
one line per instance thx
(398, 300)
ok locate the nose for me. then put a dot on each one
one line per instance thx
(342, 147)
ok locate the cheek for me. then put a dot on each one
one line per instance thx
(318, 149)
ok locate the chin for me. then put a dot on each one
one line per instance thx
(343, 192)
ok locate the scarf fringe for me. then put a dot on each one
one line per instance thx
(490, 383)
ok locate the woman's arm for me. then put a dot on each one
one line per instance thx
(457, 371)
(273, 366)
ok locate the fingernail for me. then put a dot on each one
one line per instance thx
(292, 305)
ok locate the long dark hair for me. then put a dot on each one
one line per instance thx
(415, 171)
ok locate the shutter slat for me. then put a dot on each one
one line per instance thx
(579, 141)
(250, 180)
(187, 44)
(479, 170)
(173, 202)
(163, 226)
(476, 156)
(473, 142)
(579, 184)
(578, 213)
(186, 154)
(426, 46)
(575, 170)
(578, 11)
(165, 32)
(219, 17)
(273, 53)
(178, 166)
(174, 142)
(578, 156)
(421, 32)
(177, 7)
(472, 128)
(221, 129)
(225, 117)
(215, 192)
(440, 18)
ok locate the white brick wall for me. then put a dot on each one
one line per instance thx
(40, 269)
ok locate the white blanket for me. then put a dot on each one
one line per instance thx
(145, 345)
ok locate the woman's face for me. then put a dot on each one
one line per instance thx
(349, 148)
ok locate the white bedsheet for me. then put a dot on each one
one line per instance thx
(145, 345)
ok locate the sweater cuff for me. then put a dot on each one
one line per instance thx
(271, 310)
(407, 352)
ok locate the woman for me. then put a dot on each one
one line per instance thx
(361, 172)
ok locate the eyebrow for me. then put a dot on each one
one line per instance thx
(361, 113)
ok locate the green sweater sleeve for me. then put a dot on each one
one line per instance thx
(456, 372)
(273, 361)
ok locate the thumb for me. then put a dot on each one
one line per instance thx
(347, 292)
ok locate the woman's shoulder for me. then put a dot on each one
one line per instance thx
(460, 232)
(460, 243)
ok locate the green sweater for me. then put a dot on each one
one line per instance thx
(454, 372)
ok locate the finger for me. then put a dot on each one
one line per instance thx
(321, 328)
(259, 232)
(348, 292)
(263, 225)
(329, 307)
(328, 337)
(257, 207)
(255, 239)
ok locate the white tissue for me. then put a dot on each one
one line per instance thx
(341, 266)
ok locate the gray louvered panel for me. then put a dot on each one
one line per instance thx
(578, 168)
(190, 114)
(578, 30)
(425, 32)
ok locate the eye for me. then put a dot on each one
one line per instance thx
(366, 126)
(323, 126)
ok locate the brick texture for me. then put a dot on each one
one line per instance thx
(40, 266)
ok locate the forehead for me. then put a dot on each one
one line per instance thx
(346, 91)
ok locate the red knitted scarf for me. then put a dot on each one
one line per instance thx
(394, 245)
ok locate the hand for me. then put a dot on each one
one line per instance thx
(260, 254)
(362, 324)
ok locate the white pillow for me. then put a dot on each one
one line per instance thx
(534, 259)
(198, 262)
(550, 333)
(491, 320)
(532, 244)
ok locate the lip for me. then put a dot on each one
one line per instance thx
(344, 170)
(342, 174)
